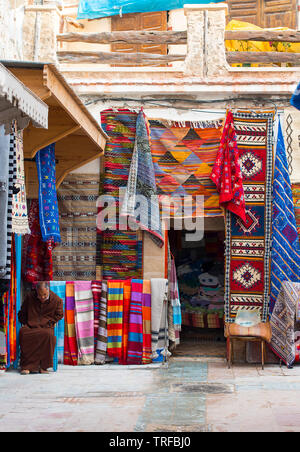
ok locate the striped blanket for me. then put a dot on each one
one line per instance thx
(115, 293)
(96, 291)
(59, 288)
(101, 345)
(126, 309)
(296, 199)
(146, 310)
(84, 321)
(285, 256)
(159, 326)
(135, 336)
(70, 348)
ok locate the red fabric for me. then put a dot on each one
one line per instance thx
(126, 307)
(37, 263)
(226, 173)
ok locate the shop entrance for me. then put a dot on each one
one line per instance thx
(200, 274)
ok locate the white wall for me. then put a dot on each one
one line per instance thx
(11, 18)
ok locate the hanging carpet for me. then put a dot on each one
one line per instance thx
(74, 258)
(101, 345)
(183, 158)
(115, 295)
(84, 322)
(285, 256)
(59, 288)
(247, 278)
(135, 334)
(70, 348)
(140, 203)
(296, 200)
(118, 251)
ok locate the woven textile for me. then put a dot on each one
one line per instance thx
(96, 291)
(20, 223)
(146, 314)
(126, 311)
(59, 288)
(135, 335)
(4, 169)
(296, 199)
(295, 100)
(226, 173)
(101, 346)
(283, 322)
(37, 262)
(247, 278)
(115, 293)
(291, 126)
(285, 256)
(84, 322)
(159, 326)
(75, 257)
(12, 168)
(183, 159)
(141, 183)
(48, 208)
(3, 351)
(70, 348)
(118, 252)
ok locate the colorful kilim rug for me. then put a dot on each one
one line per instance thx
(75, 257)
(115, 294)
(96, 291)
(135, 336)
(183, 159)
(101, 345)
(140, 203)
(3, 351)
(247, 279)
(84, 322)
(285, 256)
(146, 310)
(283, 322)
(70, 348)
(118, 253)
(126, 310)
(59, 288)
(48, 209)
(296, 199)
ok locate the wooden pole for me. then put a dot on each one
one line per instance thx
(263, 57)
(130, 37)
(116, 58)
(263, 35)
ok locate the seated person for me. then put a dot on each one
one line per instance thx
(39, 313)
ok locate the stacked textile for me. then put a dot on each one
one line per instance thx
(131, 325)
(118, 251)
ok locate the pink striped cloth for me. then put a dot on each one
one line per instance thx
(84, 321)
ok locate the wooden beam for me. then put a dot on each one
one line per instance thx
(129, 37)
(263, 57)
(116, 57)
(73, 22)
(263, 35)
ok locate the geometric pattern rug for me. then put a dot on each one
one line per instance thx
(296, 199)
(248, 244)
(183, 159)
(74, 259)
(119, 252)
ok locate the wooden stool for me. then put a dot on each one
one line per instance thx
(261, 332)
(248, 339)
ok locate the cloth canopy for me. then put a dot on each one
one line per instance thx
(94, 9)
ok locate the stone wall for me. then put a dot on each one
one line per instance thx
(11, 20)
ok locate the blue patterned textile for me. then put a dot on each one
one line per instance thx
(285, 256)
(295, 100)
(59, 288)
(48, 207)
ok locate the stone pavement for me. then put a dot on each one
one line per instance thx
(187, 395)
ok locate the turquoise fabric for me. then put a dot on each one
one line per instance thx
(95, 9)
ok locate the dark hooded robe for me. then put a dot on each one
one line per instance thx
(37, 339)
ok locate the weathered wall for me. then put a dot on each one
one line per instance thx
(11, 18)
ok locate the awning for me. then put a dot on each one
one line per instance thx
(19, 103)
(94, 9)
(78, 136)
